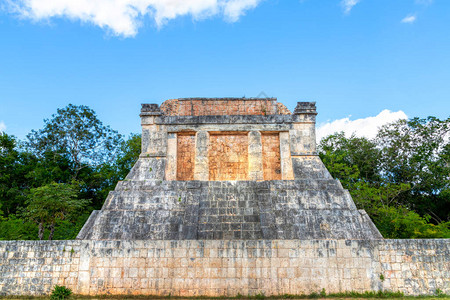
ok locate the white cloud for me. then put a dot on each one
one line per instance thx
(236, 8)
(409, 19)
(2, 127)
(348, 5)
(367, 127)
(124, 17)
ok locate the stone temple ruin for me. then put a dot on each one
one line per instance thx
(228, 168)
(228, 197)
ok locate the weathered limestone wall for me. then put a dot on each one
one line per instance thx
(214, 210)
(206, 118)
(222, 106)
(216, 268)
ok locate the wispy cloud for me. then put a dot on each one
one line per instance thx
(367, 127)
(409, 19)
(124, 17)
(348, 5)
(2, 127)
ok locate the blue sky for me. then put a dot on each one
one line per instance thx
(354, 58)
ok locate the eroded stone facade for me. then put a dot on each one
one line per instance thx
(224, 268)
(225, 168)
(228, 197)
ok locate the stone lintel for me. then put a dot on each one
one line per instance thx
(231, 119)
(228, 127)
(227, 99)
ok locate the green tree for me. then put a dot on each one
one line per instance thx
(76, 133)
(51, 203)
(344, 157)
(401, 178)
(13, 228)
(353, 157)
(417, 152)
(75, 138)
(72, 144)
(15, 165)
(399, 222)
(130, 151)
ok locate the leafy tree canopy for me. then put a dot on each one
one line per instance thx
(401, 178)
(48, 204)
(75, 132)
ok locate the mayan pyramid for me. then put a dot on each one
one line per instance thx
(228, 168)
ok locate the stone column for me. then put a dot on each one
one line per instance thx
(306, 163)
(303, 133)
(201, 167)
(255, 166)
(287, 172)
(171, 166)
(152, 161)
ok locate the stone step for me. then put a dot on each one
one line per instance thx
(169, 225)
(150, 185)
(219, 198)
(296, 209)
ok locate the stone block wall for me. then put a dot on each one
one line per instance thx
(270, 210)
(34, 267)
(206, 118)
(224, 268)
(222, 106)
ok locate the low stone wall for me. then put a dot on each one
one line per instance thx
(216, 268)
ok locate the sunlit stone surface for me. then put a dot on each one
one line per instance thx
(228, 197)
(256, 170)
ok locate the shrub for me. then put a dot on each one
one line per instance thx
(60, 292)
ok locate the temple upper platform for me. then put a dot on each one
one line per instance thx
(228, 168)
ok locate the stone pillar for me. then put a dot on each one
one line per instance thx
(306, 163)
(303, 133)
(201, 167)
(171, 166)
(151, 164)
(255, 165)
(154, 137)
(287, 172)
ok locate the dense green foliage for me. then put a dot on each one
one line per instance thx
(401, 178)
(51, 203)
(50, 183)
(55, 178)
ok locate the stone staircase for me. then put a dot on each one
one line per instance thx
(248, 210)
